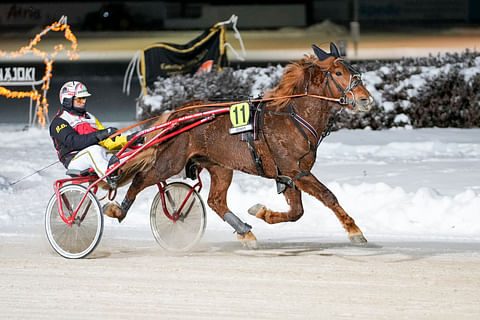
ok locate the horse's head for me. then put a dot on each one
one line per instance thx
(342, 81)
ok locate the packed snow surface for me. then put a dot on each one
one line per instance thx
(399, 184)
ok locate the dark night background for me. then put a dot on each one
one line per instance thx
(104, 78)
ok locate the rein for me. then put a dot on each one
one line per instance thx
(355, 80)
(220, 104)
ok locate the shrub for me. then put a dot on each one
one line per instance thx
(434, 91)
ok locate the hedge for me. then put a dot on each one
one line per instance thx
(434, 91)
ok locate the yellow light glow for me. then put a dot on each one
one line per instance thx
(48, 58)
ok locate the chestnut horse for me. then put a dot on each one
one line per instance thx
(284, 149)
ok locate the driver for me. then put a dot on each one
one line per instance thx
(80, 139)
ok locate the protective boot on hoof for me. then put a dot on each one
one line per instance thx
(113, 210)
(258, 210)
(357, 239)
(243, 230)
(248, 240)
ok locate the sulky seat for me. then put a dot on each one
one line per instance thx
(80, 173)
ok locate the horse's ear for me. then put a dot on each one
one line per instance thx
(321, 55)
(334, 50)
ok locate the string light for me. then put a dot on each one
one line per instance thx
(48, 58)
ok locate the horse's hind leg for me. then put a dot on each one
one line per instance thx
(141, 181)
(294, 200)
(221, 178)
(311, 185)
(172, 161)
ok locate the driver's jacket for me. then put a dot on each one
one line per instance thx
(71, 133)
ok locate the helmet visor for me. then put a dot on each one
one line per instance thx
(83, 94)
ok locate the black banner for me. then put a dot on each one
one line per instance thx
(204, 53)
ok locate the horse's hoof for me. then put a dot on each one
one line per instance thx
(113, 210)
(120, 219)
(255, 209)
(258, 210)
(248, 240)
(358, 239)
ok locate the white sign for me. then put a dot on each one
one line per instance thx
(15, 74)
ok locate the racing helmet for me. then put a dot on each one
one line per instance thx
(70, 90)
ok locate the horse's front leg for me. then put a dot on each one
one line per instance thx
(311, 185)
(141, 181)
(294, 200)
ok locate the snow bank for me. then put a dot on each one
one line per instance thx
(387, 181)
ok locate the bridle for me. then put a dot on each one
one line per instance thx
(355, 80)
(344, 100)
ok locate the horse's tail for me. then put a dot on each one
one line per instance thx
(141, 162)
(127, 171)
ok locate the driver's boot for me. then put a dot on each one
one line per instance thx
(114, 177)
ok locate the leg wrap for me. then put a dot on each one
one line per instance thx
(237, 224)
(126, 204)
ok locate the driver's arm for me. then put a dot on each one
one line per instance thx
(111, 144)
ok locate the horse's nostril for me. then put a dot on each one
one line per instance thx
(364, 101)
(364, 104)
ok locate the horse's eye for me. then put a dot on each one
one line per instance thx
(338, 73)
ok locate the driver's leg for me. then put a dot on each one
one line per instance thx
(92, 157)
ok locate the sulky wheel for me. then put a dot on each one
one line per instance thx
(188, 229)
(79, 239)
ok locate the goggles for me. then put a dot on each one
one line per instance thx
(81, 100)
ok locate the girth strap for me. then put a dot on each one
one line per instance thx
(256, 158)
(250, 137)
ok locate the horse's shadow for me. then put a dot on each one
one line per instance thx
(293, 247)
(388, 253)
(290, 247)
(268, 248)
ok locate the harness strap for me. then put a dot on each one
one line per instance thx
(306, 124)
(257, 160)
(328, 76)
(249, 137)
(284, 182)
(298, 121)
(258, 119)
(326, 132)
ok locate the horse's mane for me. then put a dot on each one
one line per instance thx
(293, 80)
